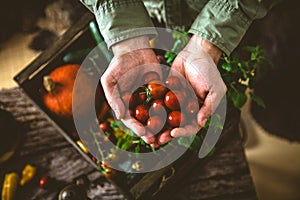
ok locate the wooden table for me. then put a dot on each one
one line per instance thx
(225, 176)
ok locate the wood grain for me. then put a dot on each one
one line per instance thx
(225, 176)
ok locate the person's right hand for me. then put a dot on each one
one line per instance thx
(129, 58)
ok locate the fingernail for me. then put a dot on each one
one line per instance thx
(173, 134)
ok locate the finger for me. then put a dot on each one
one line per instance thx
(210, 104)
(135, 126)
(149, 139)
(205, 111)
(187, 130)
(154, 145)
(153, 67)
(164, 137)
(112, 95)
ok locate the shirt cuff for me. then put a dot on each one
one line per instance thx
(122, 20)
(222, 23)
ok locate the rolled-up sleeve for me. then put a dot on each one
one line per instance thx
(224, 22)
(121, 20)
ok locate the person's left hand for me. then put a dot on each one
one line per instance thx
(197, 63)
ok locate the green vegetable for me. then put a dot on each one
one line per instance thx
(99, 40)
(76, 56)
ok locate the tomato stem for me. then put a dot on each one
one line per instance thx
(48, 83)
(148, 94)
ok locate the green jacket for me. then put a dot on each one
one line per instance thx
(223, 22)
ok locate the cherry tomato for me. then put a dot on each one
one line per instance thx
(157, 107)
(157, 89)
(142, 113)
(176, 118)
(155, 124)
(174, 100)
(173, 82)
(192, 107)
(104, 126)
(150, 76)
(141, 94)
(107, 171)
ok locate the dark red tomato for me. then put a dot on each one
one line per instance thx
(176, 118)
(104, 126)
(157, 107)
(157, 89)
(142, 113)
(141, 94)
(192, 107)
(155, 124)
(150, 76)
(173, 82)
(174, 100)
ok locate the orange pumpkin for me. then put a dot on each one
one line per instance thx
(59, 85)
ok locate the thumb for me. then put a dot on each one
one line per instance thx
(205, 111)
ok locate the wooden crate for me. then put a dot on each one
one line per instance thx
(152, 185)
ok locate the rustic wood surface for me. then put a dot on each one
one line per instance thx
(225, 176)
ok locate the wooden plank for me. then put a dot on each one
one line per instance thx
(225, 176)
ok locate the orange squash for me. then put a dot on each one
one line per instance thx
(59, 85)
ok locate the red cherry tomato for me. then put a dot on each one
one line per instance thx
(176, 119)
(157, 107)
(174, 100)
(150, 76)
(192, 107)
(141, 94)
(173, 82)
(104, 126)
(157, 89)
(142, 113)
(155, 124)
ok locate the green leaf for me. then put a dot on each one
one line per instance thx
(250, 48)
(238, 99)
(227, 67)
(257, 100)
(185, 141)
(211, 152)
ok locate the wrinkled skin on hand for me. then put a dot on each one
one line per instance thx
(197, 63)
(132, 59)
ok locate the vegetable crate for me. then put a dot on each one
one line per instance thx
(78, 41)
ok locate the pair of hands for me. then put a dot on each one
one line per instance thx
(196, 62)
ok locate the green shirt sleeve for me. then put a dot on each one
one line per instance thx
(224, 22)
(119, 20)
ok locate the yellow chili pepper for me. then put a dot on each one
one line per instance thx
(82, 147)
(27, 174)
(10, 185)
